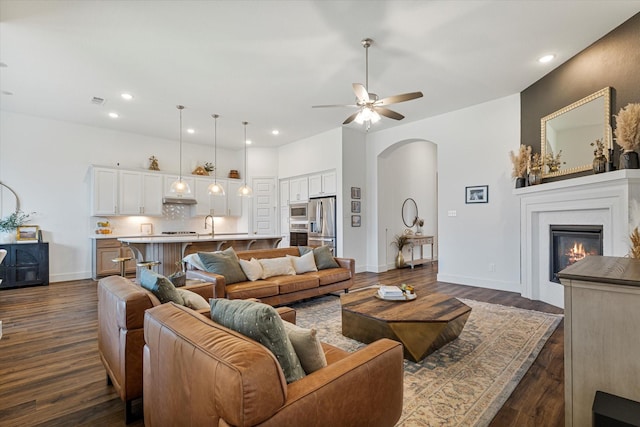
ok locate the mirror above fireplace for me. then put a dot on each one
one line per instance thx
(572, 129)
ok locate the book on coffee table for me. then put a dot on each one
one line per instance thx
(390, 291)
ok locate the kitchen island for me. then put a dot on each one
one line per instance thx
(170, 250)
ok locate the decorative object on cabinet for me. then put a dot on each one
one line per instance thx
(245, 190)
(146, 228)
(208, 166)
(153, 164)
(200, 171)
(27, 233)
(10, 224)
(535, 169)
(234, 174)
(180, 187)
(628, 135)
(25, 265)
(355, 192)
(419, 223)
(599, 159)
(214, 188)
(356, 220)
(520, 163)
(355, 206)
(477, 194)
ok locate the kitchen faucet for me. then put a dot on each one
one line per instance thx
(205, 224)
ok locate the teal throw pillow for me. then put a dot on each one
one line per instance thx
(224, 263)
(160, 286)
(322, 255)
(261, 323)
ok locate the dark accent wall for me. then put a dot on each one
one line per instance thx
(613, 61)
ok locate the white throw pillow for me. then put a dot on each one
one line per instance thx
(252, 269)
(193, 300)
(307, 346)
(195, 261)
(277, 267)
(303, 263)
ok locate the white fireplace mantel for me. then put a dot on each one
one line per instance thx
(607, 199)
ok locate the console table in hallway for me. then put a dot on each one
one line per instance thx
(413, 241)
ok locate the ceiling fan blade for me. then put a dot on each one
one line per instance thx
(399, 98)
(388, 113)
(361, 92)
(350, 118)
(334, 105)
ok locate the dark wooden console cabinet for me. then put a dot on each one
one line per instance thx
(26, 264)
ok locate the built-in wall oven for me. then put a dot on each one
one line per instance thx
(298, 233)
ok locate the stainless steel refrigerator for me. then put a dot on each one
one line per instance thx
(322, 222)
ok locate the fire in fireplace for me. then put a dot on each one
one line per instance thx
(570, 243)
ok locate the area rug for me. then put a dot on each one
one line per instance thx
(467, 381)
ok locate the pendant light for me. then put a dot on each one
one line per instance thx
(245, 190)
(215, 188)
(179, 187)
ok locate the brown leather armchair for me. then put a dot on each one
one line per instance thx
(202, 373)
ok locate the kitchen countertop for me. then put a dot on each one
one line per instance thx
(182, 238)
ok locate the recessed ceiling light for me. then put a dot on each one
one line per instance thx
(275, 132)
(114, 115)
(546, 58)
(248, 141)
(191, 130)
(126, 96)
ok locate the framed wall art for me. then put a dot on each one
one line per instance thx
(355, 192)
(27, 232)
(356, 220)
(355, 206)
(477, 194)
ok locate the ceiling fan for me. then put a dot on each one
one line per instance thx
(370, 107)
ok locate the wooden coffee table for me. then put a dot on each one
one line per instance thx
(422, 325)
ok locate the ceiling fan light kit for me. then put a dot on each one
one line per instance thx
(370, 107)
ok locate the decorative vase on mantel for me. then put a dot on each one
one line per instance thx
(629, 160)
(521, 182)
(599, 164)
(535, 176)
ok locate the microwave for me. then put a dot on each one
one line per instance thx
(298, 212)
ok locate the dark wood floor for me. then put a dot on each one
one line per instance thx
(51, 374)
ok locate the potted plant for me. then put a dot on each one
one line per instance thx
(400, 241)
(628, 135)
(10, 224)
(520, 163)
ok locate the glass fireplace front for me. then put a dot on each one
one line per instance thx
(570, 243)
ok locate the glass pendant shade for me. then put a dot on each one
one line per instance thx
(245, 190)
(179, 187)
(214, 188)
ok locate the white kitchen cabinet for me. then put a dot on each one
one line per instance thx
(104, 194)
(284, 193)
(209, 204)
(234, 202)
(298, 190)
(322, 184)
(140, 193)
(284, 227)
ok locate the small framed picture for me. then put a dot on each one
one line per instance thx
(355, 192)
(355, 220)
(477, 194)
(355, 206)
(27, 232)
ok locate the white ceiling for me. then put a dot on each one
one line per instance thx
(268, 62)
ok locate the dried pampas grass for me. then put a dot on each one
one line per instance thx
(520, 161)
(635, 244)
(628, 127)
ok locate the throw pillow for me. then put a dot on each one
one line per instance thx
(323, 256)
(276, 267)
(252, 269)
(224, 263)
(194, 260)
(303, 263)
(261, 323)
(160, 286)
(307, 346)
(193, 300)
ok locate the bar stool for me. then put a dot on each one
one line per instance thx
(122, 260)
(148, 264)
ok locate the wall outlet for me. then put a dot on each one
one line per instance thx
(492, 267)
(452, 213)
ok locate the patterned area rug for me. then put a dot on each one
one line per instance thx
(467, 381)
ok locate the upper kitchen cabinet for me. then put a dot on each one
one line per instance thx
(298, 189)
(104, 194)
(207, 203)
(234, 202)
(322, 184)
(140, 193)
(284, 193)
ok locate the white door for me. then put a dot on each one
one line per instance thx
(264, 206)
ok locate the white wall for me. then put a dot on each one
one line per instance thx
(47, 161)
(314, 154)
(473, 146)
(353, 175)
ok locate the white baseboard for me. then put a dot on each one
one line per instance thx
(499, 285)
(81, 275)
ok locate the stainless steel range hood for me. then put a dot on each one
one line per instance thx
(172, 200)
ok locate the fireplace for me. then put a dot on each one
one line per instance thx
(570, 243)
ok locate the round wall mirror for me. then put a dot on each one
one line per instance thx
(9, 202)
(409, 212)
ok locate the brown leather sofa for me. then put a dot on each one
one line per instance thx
(281, 290)
(203, 374)
(121, 308)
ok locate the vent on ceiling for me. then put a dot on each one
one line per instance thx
(97, 100)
